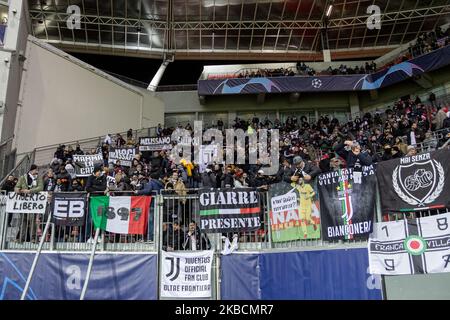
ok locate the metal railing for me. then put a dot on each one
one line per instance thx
(43, 155)
(168, 226)
(24, 231)
(21, 167)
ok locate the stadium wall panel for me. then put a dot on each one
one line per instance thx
(303, 275)
(60, 276)
(64, 99)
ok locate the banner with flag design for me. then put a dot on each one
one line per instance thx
(229, 210)
(123, 215)
(411, 246)
(347, 203)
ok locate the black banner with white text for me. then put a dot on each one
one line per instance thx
(347, 203)
(229, 210)
(69, 209)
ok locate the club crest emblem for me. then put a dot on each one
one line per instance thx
(419, 183)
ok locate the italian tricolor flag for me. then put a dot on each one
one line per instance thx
(124, 215)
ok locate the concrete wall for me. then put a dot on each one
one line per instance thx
(184, 101)
(63, 99)
(11, 66)
(440, 86)
(418, 287)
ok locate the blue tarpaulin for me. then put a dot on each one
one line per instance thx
(309, 275)
(61, 276)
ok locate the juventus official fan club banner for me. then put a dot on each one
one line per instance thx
(411, 246)
(69, 209)
(84, 164)
(347, 203)
(418, 182)
(154, 143)
(186, 274)
(293, 212)
(26, 203)
(125, 155)
(124, 215)
(229, 210)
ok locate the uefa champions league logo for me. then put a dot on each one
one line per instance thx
(419, 183)
(316, 83)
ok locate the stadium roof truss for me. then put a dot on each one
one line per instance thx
(235, 29)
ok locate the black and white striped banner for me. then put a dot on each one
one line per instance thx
(411, 246)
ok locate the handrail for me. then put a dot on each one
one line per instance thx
(28, 156)
(80, 141)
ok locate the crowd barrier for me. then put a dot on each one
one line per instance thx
(169, 212)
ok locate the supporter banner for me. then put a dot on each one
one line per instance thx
(418, 182)
(26, 203)
(125, 155)
(347, 203)
(186, 274)
(411, 246)
(111, 182)
(69, 209)
(60, 276)
(124, 215)
(293, 213)
(84, 164)
(154, 143)
(207, 154)
(226, 210)
(397, 73)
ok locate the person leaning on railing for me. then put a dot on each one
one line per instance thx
(28, 184)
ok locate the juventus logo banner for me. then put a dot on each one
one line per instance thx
(294, 212)
(411, 246)
(226, 210)
(186, 274)
(418, 182)
(347, 203)
(69, 209)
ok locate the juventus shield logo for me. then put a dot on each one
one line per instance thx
(419, 183)
(174, 268)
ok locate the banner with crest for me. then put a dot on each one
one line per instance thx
(419, 182)
(347, 203)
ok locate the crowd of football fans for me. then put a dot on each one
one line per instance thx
(401, 130)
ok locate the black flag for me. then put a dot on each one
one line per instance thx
(69, 209)
(419, 182)
(347, 203)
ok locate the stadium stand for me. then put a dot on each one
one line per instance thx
(336, 205)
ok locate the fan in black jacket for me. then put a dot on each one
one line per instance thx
(96, 182)
(201, 239)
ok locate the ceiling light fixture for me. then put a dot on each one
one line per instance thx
(330, 8)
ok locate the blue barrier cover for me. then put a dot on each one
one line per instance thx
(61, 276)
(304, 275)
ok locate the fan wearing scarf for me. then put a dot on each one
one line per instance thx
(29, 183)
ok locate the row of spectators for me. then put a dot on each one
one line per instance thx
(429, 41)
(344, 70)
(425, 43)
(262, 73)
(306, 150)
(398, 131)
